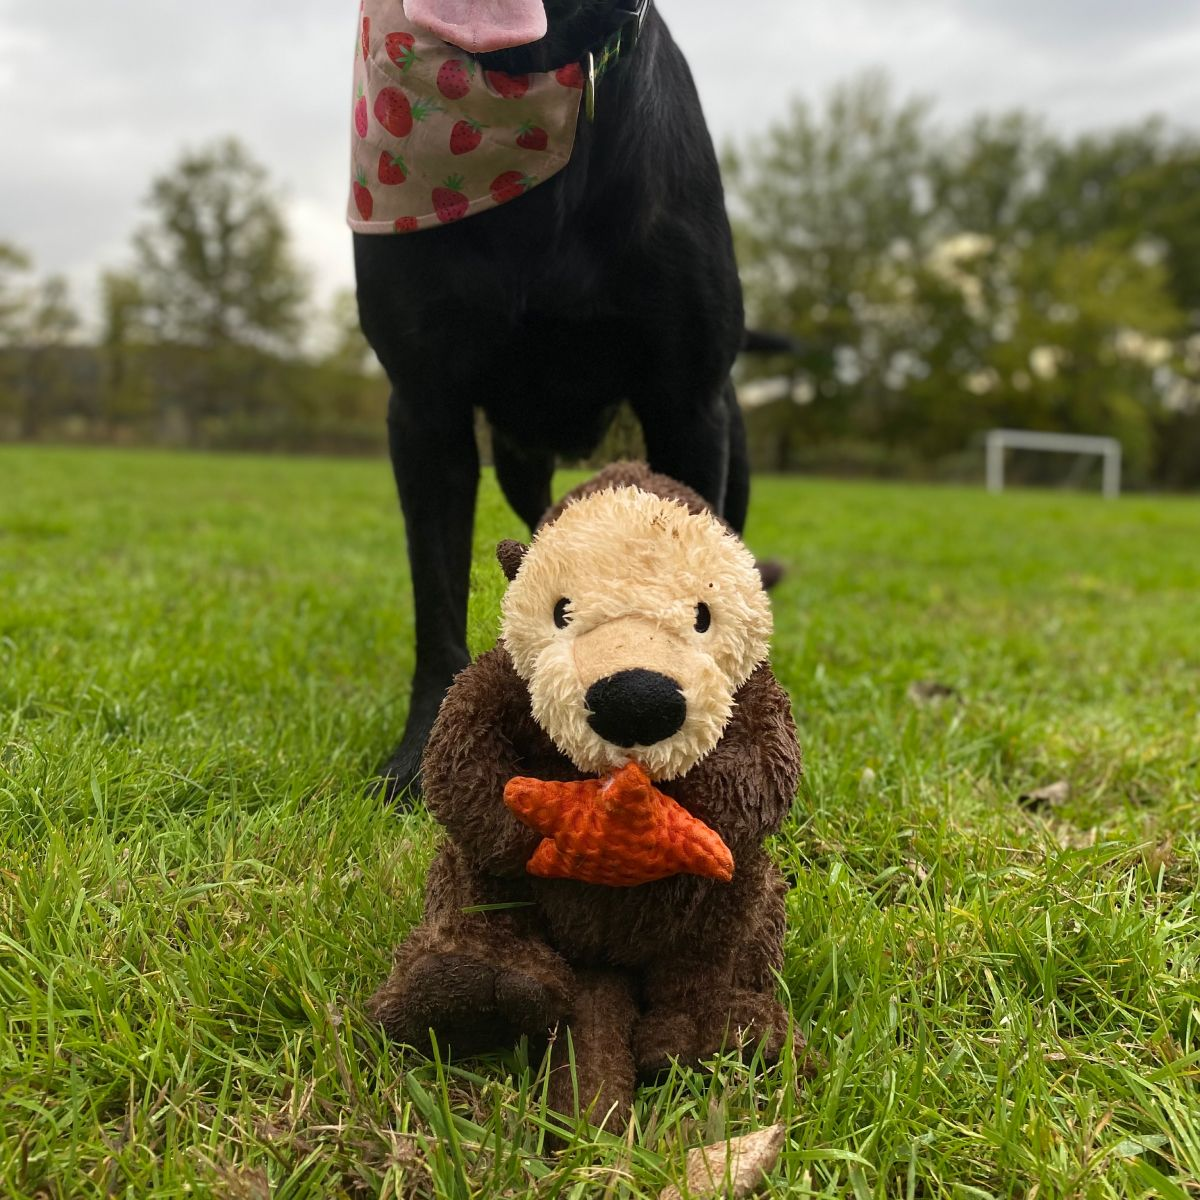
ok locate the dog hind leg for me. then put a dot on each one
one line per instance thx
(737, 490)
(689, 443)
(524, 476)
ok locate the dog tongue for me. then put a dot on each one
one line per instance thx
(480, 26)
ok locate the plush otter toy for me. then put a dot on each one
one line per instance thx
(606, 777)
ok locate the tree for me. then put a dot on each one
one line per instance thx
(1139, 186)
(984, 176)
(14, 292)
(14, 304)
(214, 262)
(828, 209)
(37, 322)
(951, 280)
(123, 341)
(46, 383)
(823, 196)
(220, 294)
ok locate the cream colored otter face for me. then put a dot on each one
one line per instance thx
(633, 622)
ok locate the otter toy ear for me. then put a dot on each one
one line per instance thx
(510, 555)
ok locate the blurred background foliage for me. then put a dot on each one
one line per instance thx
(934, 282)
(940, 282)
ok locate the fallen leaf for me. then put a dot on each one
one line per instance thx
(1071, 837)
(1160, 858)
(730, 1170)
(919, 871)
(240, 1183)
(1046, 797)
(930, 691)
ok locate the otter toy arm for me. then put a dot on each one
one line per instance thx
(483, 736)
(745, 788)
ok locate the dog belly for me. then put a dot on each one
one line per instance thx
(555, 384)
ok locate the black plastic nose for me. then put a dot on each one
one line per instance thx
(636, 708)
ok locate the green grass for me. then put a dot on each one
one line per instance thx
(201, 660)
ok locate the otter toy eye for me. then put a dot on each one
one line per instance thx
(561, 617)
(703, 618)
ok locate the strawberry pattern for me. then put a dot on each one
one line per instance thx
(436, 139)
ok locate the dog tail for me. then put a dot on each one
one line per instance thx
(758, 341)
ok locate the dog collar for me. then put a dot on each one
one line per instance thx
(437, 138)
(596, 63)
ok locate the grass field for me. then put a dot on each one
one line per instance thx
(201, 660)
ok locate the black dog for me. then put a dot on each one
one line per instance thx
(614, 280)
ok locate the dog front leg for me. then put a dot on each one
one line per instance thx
(436, 464)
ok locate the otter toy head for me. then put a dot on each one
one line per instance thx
(634, 622)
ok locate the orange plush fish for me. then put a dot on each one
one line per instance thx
(619, 831)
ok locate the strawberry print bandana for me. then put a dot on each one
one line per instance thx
(436, 138)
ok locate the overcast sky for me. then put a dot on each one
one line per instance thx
(96, 96)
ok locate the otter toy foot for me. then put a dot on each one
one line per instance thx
(742, 1020)
(470, 1003)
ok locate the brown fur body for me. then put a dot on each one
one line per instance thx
(673, 969)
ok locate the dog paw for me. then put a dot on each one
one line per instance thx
(400, 776)
(771, 572)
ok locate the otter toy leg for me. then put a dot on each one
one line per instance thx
(601, 1033)
(722, 995)
(680, 998)
(475, 989)
(697, 1019)
(479, 980)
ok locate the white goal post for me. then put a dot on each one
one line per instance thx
(999, 440)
